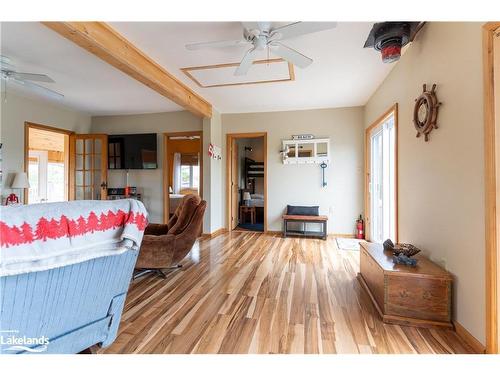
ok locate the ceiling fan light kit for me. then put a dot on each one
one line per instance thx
(261, 36)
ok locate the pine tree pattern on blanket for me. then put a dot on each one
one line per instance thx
(64, 227)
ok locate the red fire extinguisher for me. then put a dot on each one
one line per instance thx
(360, 228)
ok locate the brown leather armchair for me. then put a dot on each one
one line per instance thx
(165, 245)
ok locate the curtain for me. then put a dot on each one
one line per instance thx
(177, 173)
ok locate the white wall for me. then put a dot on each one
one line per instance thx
(15, 111)
(212, 174)
(441, 182)
(342, 199)
(148, 182)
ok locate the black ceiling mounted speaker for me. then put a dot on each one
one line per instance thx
(390, 37)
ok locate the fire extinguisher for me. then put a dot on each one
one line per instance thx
(360, 228)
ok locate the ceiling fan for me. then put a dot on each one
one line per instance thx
(261, 35)
(10, 74)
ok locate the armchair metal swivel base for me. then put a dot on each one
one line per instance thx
(160, 272)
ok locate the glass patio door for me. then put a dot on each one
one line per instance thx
(89, 166)
(382, 182)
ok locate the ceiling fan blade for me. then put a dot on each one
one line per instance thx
(5, 64)
(216, 44)
(290, 55)
(300, 28)
(263, 26)
(37, 88)
(246, 63)
(33, 77)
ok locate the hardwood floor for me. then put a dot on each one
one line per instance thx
(247, 292)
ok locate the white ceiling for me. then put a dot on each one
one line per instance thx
(88, 83)
(343, 73)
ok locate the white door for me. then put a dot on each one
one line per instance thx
(47, 178)
(382, 182)
(37, 174)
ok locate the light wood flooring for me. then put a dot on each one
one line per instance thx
(249, 292)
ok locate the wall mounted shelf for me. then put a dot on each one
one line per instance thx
(307, 151)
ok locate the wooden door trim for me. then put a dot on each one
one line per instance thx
(67, 155)
(393, 110)
(165, 161)
(492, 218)
(229, 138)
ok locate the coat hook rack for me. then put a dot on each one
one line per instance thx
(323, 167)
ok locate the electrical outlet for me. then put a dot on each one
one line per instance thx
(330, 210)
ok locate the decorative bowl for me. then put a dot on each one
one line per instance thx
(405, 249)
(388, 245)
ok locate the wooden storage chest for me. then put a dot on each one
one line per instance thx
(419, 296)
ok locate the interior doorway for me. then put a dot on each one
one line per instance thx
(46, 162)
(182, 168)
(381, 177)
(246, 182)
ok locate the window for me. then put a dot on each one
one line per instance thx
(381, 177)
(46, 178)
(190, 176)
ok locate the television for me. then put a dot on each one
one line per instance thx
(132, 151)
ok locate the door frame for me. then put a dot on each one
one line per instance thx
(229, 139)
(165, 161)
(393, 110)
(492, 198)
(67, 170)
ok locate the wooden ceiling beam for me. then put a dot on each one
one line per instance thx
(104, 42)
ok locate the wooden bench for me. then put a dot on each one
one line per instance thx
(321, 219)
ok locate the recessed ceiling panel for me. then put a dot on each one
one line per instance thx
(262, 71)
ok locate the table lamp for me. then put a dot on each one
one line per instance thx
(246, 198)
(20, 181)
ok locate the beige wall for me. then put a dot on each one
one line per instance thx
(15, 111)
(148, 182)
(441, 182)
(342, 199)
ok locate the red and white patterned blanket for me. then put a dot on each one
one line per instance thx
(49, 235)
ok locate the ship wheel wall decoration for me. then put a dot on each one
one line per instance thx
(425, 112)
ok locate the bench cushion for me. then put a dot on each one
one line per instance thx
(305, 218)
(302, 210)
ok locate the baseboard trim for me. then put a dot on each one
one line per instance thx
(342, 235)
(214, 234)
(333, 235)
(470, 340)
(274, 232)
